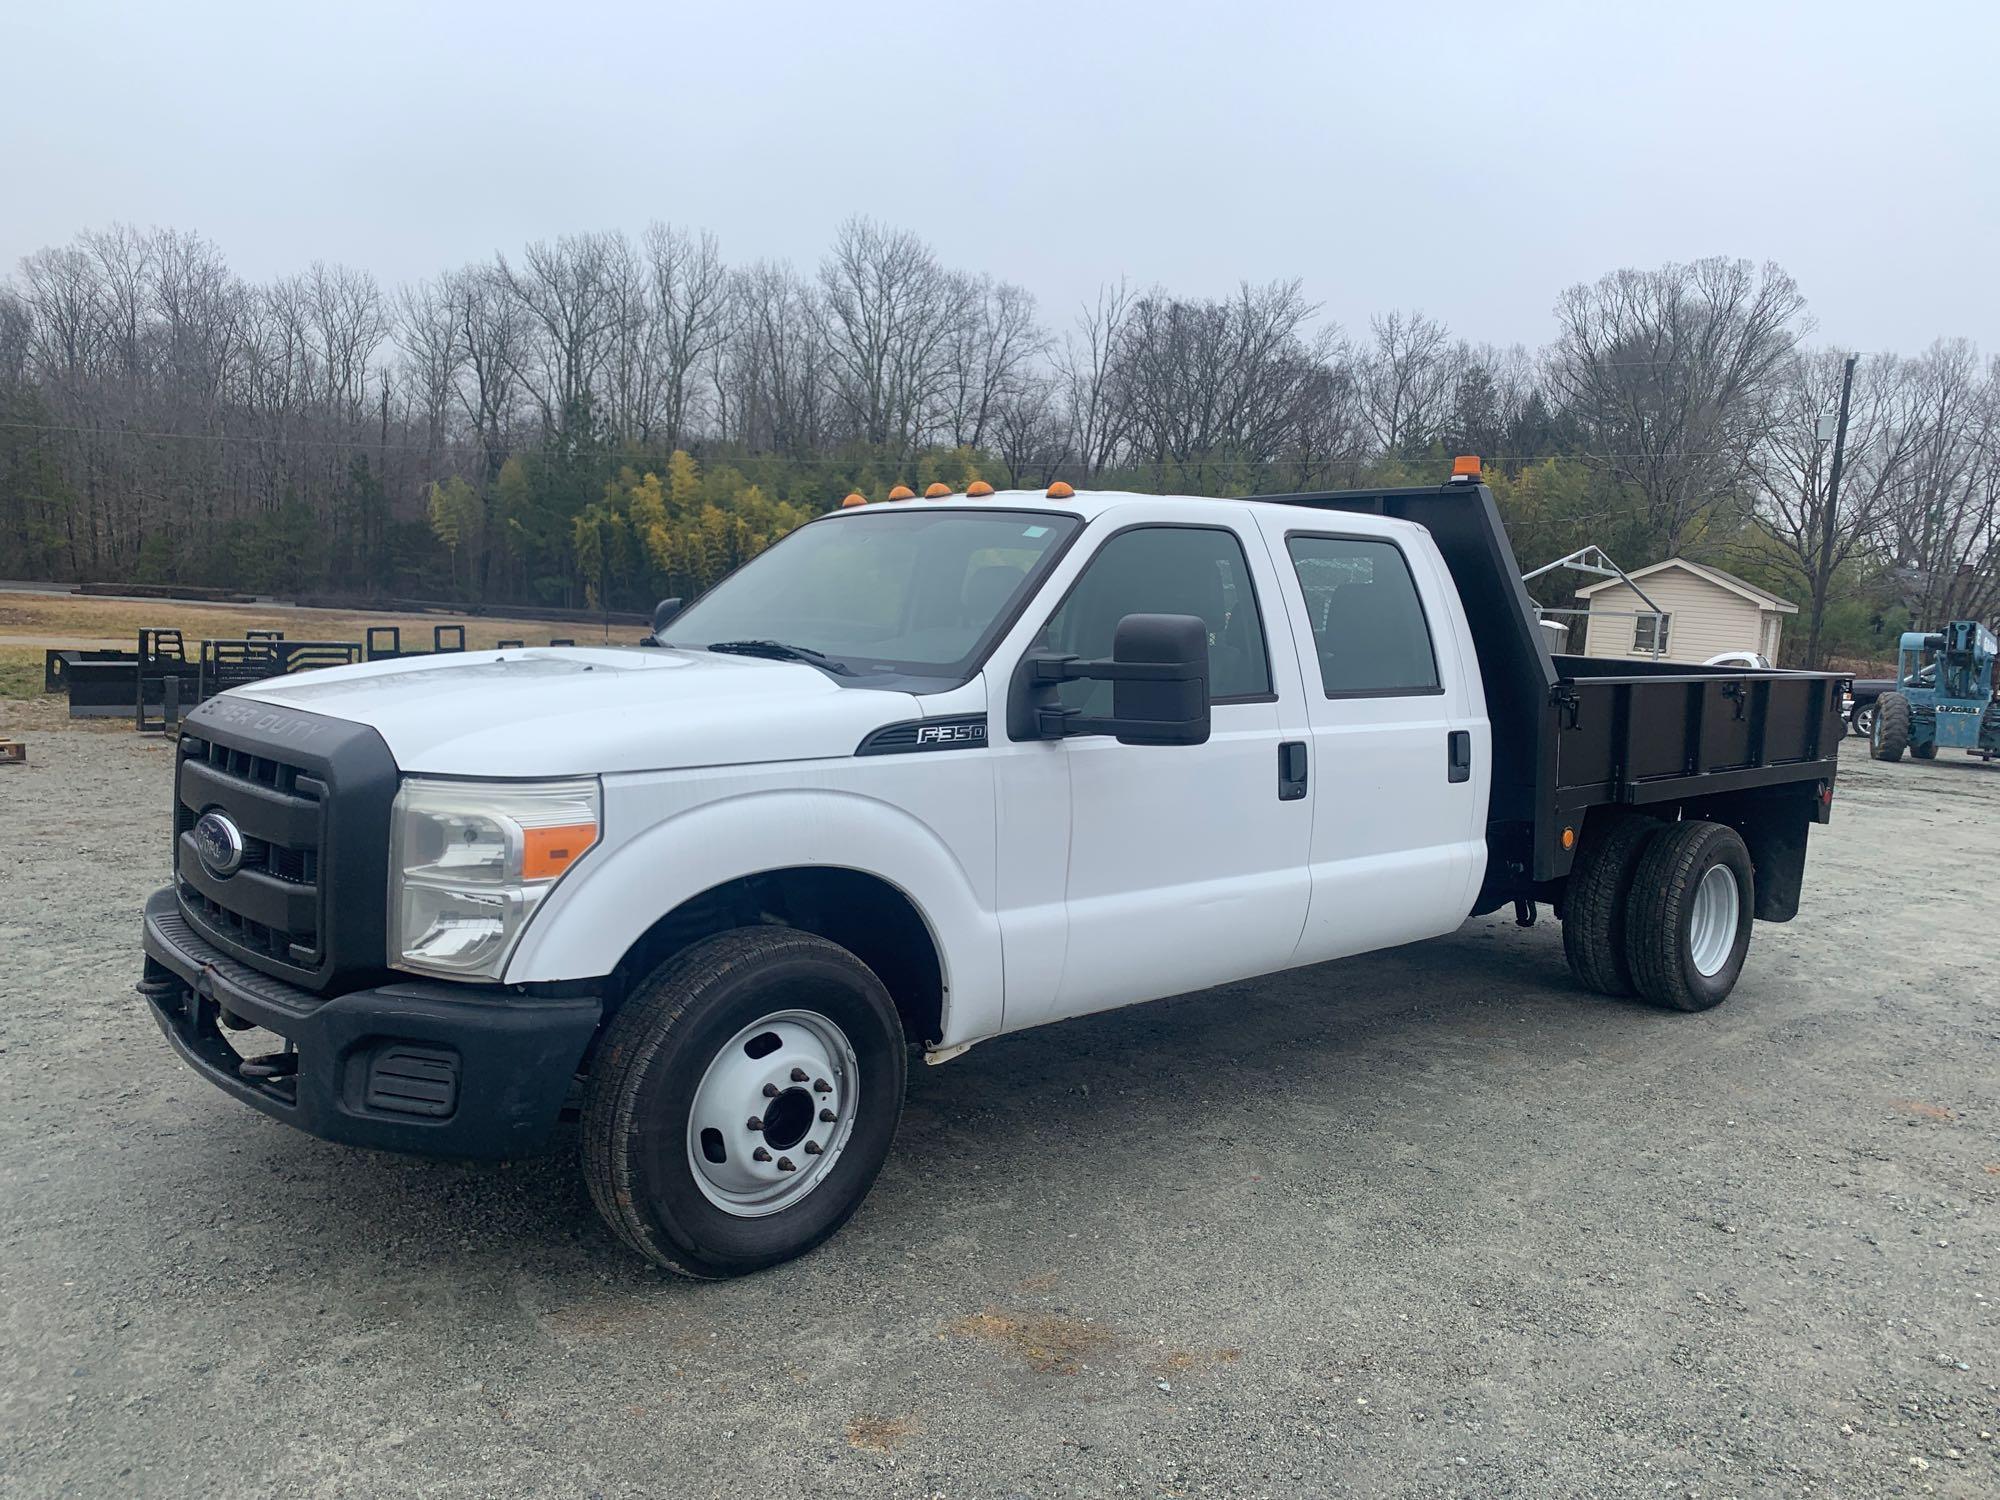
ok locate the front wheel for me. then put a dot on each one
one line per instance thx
(743, 1101)
(1862, 720)
(1687, 919)
(1889, 729)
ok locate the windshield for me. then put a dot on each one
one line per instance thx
(910, 592)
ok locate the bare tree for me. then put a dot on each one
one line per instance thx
(774, 377)
(691, 290)
(888, 312)
(565, 287)
(1098, 418)
(1407, 380)
(989, 355)
(1817, 533)
(1669, 373)
(1944, 505)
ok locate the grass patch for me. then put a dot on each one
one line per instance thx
(20, 672)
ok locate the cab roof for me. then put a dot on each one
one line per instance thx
(1088, 505)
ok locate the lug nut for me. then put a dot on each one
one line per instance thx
(820, 1085)
(799, 1075)
(827, 1117)
(756, 1122)
(760, 1154)
(812, 1148)
(785, 1164)
(770, 1091)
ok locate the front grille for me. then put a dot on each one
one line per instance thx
(270, 906)
(311, 797)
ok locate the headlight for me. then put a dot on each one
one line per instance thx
(471, 860)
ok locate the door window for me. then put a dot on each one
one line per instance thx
(1368, 624)
(1165, 570)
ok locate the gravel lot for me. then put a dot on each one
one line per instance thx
(1433, 1222)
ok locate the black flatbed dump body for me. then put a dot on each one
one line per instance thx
(1755, 749)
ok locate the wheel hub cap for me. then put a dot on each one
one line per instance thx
(772, 1113)
(1712, 923)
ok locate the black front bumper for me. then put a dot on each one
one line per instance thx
(434, 1068)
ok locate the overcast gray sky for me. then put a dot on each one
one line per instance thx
(1466, 159)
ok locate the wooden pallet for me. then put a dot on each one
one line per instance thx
(13, 752)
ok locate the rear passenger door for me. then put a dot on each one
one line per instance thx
(1399, 748)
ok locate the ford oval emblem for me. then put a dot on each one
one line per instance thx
(219, 842)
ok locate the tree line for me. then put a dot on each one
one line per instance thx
(601, 419)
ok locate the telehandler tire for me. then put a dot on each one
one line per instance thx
(1889, 737)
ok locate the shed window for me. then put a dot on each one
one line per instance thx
(1650, 634)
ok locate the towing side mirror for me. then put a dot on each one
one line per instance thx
(1158, 673)
(663, 616)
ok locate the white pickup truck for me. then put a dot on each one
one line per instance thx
(924, 773)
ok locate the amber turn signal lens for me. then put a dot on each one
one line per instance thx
(1569, 838)
(979, 489)
(936, 491)
(547, 852)
(1060, 491)
(902, 492)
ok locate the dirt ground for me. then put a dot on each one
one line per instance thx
(1433, 1222)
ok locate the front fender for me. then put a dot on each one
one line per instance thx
(614, 895)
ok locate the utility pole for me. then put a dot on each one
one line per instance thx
(1830, 519)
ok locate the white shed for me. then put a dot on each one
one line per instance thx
(1707, 612)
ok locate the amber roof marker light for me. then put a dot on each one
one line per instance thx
(857, 498)
(1060, 491)
(939, 491)
(979, 489)
(902, 492)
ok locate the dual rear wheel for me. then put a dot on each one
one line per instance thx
(1661, 910)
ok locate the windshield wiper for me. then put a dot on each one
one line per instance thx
(781, 651)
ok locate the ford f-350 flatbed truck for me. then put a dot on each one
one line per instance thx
(924, 773)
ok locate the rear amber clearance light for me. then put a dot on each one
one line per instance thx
(547, 852)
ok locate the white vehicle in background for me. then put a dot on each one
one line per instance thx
(1753, 661)
(924, 773)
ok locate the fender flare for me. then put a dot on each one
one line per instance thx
(614, 896)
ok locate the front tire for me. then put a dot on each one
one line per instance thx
(1889, 735)
(1687, 919)
(1862, 720)
(743, 1101)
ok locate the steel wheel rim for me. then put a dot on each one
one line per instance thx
(1712, 926)
(1864, 722)
(777, 1116)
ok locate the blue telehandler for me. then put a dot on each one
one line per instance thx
(1945, 699)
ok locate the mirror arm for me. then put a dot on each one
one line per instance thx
(1054, 669)
(1058, 723)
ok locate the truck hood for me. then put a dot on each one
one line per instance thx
(578, 711)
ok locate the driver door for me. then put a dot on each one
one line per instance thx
(1187, 863)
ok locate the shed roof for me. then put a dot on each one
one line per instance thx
(1762, 598)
